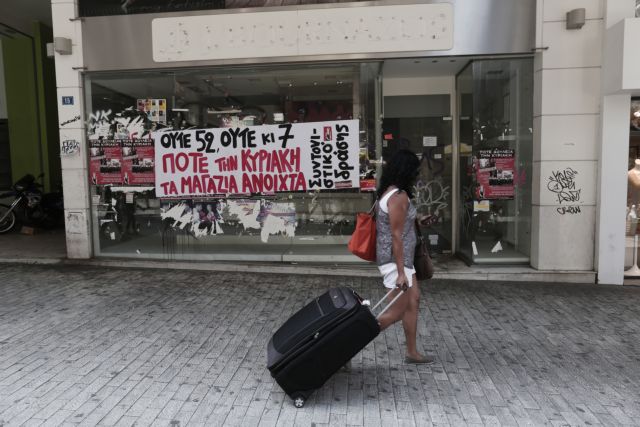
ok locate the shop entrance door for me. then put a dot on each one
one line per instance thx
(495, 160)
(423, 124)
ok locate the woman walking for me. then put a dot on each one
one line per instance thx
(395, 246)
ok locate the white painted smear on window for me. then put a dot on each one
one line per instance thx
(246, 211)
(280, 219)
(179, 215)
(276, 225)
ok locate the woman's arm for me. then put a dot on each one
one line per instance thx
(398, 206)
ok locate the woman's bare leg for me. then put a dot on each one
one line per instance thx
(410, 319)
(396, 312)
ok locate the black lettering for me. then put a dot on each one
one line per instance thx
(287, 134)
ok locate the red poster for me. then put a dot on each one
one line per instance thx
(105, 162)
(138, 165)
(367, 185)
(494, 174)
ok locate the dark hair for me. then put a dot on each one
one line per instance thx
(400, 170)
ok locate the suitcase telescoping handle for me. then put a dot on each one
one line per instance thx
(388, 305)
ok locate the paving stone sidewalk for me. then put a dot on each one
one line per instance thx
(84, 346)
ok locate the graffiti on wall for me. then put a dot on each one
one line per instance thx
(562, 183)
(128, 124)
(69, 147)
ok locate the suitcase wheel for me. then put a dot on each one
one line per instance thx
(298, 400)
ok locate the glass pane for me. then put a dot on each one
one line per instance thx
(496, 175)
(289, 226)
(464, 85)
(422, 124)
(126, 7)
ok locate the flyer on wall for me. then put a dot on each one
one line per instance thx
(105, 161)
(138, 163)
(155, 109)
(494, 174)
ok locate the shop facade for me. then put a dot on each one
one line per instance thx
(460, 83)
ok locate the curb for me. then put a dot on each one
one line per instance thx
(496, 274)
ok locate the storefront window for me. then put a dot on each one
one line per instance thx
(496, 113)
(633, 192)
(125, 109)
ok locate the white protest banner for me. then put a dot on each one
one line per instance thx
(257, 159)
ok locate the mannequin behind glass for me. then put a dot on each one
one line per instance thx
(633, 192)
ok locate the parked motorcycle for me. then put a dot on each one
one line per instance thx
(31, 206)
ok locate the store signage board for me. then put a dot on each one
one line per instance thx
(328, 31)
(257, 159)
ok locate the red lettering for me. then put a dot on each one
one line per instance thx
(269, 183)
(283, 161)
(263, 156)
(222, 187)
(165, 187)
(257, 182)
(295, 159)
(186, 184)
(211, 185)
(199, 163)
(233, 186)
(247, 187)
(275, 162)
(197, 185)
(283, 183)
(248, 162)
(182, 161)
(165, 167)
(301, 183)
(233, 163)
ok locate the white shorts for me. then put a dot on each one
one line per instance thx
(389, 273)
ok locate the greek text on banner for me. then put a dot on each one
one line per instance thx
(257, 159)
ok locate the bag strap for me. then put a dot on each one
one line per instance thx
(372, 211)
(418, 231)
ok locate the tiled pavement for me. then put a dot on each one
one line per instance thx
(85, 346)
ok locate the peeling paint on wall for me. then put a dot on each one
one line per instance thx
(75, 222)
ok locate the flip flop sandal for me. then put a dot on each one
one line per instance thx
(424, 361)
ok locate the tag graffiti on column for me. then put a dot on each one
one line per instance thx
(69, 147)
(563, 184)
(257, 159)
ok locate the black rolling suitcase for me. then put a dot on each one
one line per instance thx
(319, 339)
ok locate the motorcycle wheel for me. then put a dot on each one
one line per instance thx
(10, 220)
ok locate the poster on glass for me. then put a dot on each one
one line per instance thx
(494, 174)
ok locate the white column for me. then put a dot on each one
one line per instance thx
(566, 127)
(71, 120)
(612, 189)
(613, 154)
